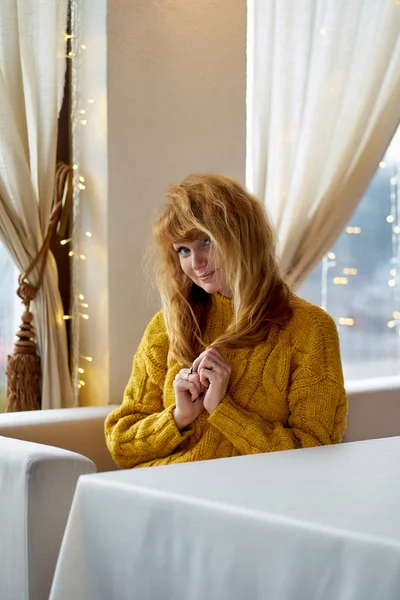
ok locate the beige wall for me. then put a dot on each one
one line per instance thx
(176, 104)
(374, 409)
(92, 273)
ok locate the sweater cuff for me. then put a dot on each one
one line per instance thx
(232, 421)
(227, 418)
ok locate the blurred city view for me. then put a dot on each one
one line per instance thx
(358, 280)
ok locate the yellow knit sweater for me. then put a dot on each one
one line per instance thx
(285, 393)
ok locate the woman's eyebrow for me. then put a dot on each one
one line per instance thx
(186, 240)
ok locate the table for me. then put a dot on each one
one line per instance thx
(310, 524)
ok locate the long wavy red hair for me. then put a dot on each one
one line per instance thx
(243, 241)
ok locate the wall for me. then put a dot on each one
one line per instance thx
(92, 274)
(374, 409)
(176, 104)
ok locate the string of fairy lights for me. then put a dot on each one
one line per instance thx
(80, 109)
(329, 260)
(394, 220)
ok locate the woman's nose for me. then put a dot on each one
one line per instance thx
(199, 260)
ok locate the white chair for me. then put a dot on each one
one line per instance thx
(37, 484)
(42, 455)
(79, 430)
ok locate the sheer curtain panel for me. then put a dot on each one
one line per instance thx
(32, 71)
(323, 104)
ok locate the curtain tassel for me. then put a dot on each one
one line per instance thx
(23, 370)
(24, 375)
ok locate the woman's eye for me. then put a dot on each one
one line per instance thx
(183, 251)
(207, 242)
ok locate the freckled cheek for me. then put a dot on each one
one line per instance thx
(186, 267)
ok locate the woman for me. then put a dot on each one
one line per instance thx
(234, 363)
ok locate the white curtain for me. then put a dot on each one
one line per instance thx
(323, 103)
(32, 69)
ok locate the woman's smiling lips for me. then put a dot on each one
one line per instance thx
(206, 276)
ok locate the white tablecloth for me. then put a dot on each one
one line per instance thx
(320, 523)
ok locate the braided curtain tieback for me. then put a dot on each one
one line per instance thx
(23, 367)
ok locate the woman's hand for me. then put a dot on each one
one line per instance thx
(188, 395)
(214, 373)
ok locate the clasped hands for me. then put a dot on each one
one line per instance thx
(202, 386)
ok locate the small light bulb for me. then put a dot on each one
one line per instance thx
(88, 234)
(382, 164)
(90, 101)
(83, 122)
(390, 218)
(81, 297)
(350, 271)
(70, 253)
(74, 167)
(67, 317)
(83, 46)
(81, 370)
(346, 321)
(82, 257)
(88, 358)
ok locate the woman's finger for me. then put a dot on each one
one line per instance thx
(195, 378)
(206, 376)
(210, 359)
(183, 385)
(215, 356)
(183, 374)
(210, 363)
(197, 361)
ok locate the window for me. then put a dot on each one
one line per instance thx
(9, 305)
(358, 281)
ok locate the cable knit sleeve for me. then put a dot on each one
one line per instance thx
(142, 429)
(316, 399)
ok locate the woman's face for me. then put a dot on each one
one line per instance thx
(196, 260)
